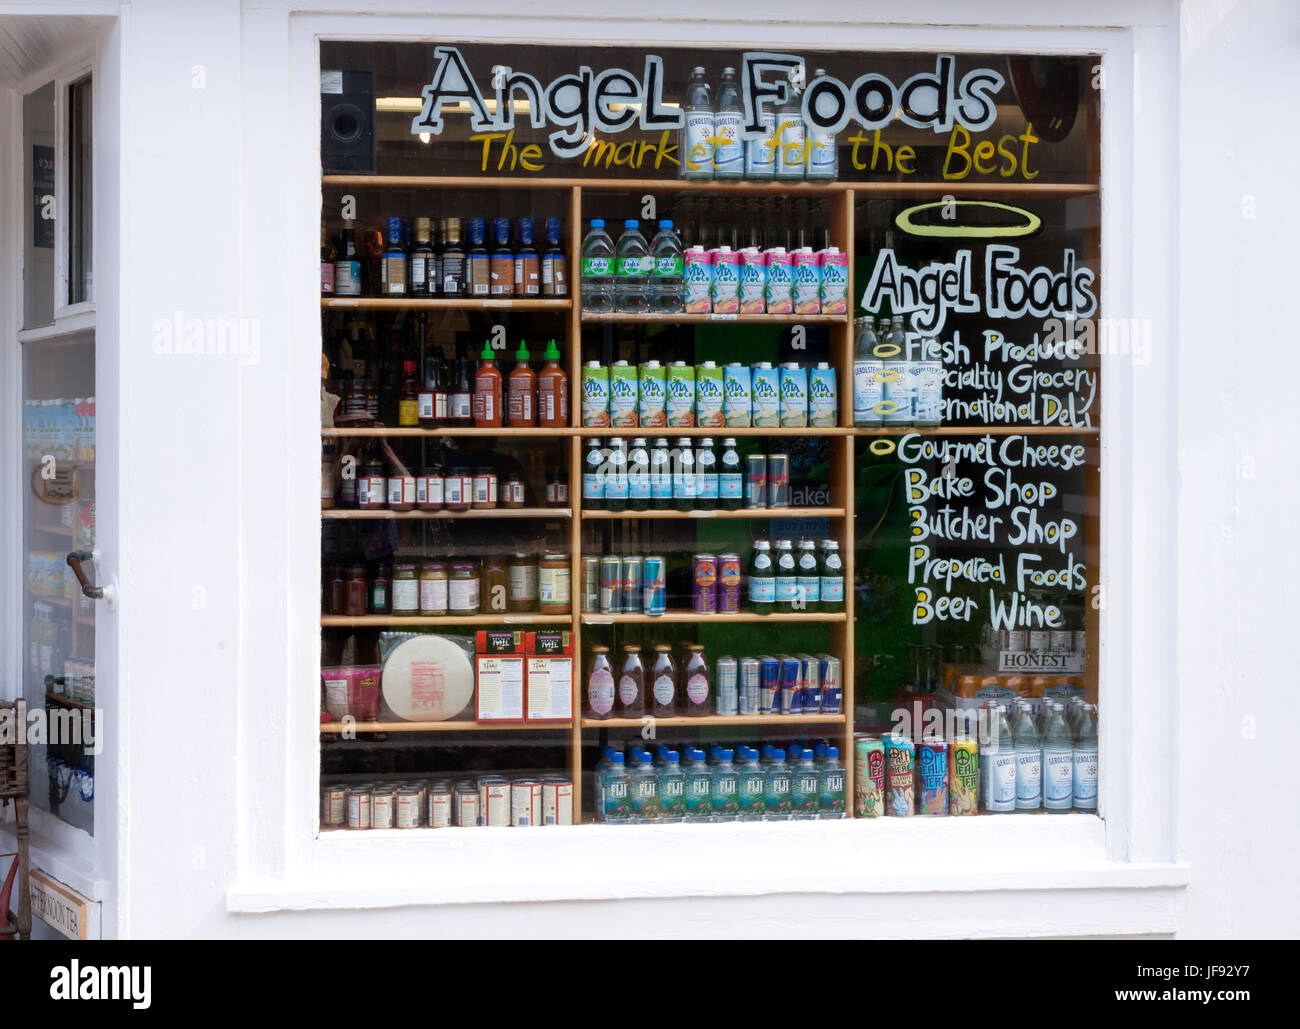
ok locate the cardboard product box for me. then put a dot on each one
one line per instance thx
(499, 657)
(550, 676)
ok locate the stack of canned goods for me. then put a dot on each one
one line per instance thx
(626, 585)
(798, 684)
(440, 803)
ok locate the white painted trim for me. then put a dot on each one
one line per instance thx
(73, 323)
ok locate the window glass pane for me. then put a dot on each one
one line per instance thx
(39, 223)
(80, 192)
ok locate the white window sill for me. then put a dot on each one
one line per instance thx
(1025, 857)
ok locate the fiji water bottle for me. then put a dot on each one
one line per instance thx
(866, 376)
(672, 788)
(1086, 761)
(667, 288)
(699, 786)
(752, 783)
(823, 158)
(830, 785)
(697, 133)
(645, 788)
(597, 269)
(615, 790)
(804, 786)
(598, 777)
(632, 271)
(1029, 768)
(725, 782)
(1058, 764)
(998, 763)
(776, 788)
(728, 148)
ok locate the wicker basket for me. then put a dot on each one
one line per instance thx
(13, 786)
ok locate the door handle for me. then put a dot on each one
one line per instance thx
(74, 562)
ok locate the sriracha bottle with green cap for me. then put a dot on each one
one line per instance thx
(523, 383)
(552, 391)
(487, 391)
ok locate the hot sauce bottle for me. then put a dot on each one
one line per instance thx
(487, 391)
(523, 383)
(408, 404)
(552, 391)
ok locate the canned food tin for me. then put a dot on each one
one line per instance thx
(756, 480)
(769, 692)
(408, 809)
(726, 685)
(790, 695)
(438, 805)
(810, 684)
(494, 799)
(750, 686)
(469, 809)
(932, 776)
(525, 802)
(704, 584)
(381, 808)
(900, 775)
(611, 589)
(654, 586)
(868, 777)
(778, 480)
(630, 584)
(359, 808)
(963, 776)
(828, 668)
(557, 800)
(333, 805)
(730, 573)
(590, 583)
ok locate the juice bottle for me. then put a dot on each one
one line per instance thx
(663, 683)
(523, 383)
(487, 391)
(600, 684)
(698, 690)
(630, 699)
(552, 391)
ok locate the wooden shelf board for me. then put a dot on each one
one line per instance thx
(400, 621)
(744, 512)
(595, 618)
(366, 431)
(444, 304)
(496, 512)
(715, 431)
(975, 430)
(719, 319)
(339, 727)
(705, 721)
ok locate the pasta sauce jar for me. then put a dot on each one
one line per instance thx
(458, 489)
(522, 583)
(428, 489)
(462, 589)
(433, 589)
(554, 584)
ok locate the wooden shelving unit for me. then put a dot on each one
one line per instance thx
(400, 621)
(721, 319)
(713, 721)
(334, 728)
(496, 512)
(744, 512)
(597, 618)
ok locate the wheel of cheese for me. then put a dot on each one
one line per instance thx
(428, 679)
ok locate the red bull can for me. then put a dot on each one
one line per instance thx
(828, 668)
(630, 584)
(810, 684)
(726, 685)
(769, 691)
(590, 583)
(750, 685)
(790, 693)
(654, 586)
(611, 585)
(730, 573)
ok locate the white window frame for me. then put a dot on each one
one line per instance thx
(1080, 872)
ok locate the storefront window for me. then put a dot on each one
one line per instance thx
(707, 435)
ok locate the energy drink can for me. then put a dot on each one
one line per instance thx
(750, 686)
(769, 685)
(932, 775)
(791, 691)
(756, 480)
(900, 775)
(778, 480)
(654, 586)
(590, 583)
(630, 585)
(730, 574)
(811, 684)
(963, 776)
(868, 777)
(704, 584)
(726, 685)
(832, 685)
(611, 585)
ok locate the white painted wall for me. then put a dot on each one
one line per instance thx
(214, 214)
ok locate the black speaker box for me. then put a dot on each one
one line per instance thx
(347, 122)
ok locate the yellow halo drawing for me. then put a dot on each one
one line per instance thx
(881, 447)
(1031, 225)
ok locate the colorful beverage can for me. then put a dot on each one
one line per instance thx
(756, 480)
(730, 575)
(832, 684)
(780, 281)
(595, 394)
(525, 802)
(835, 281)
(900, 775)
(778, 480)
(557, 800)
(868, 777)
(611, 585)
(726, 685)
(963, 776)
(704, 584)
(680, 389)
(737, 396)
(697, 271)
(753, 281)
(726, 280)
(630, 584)
(932, 776)
(709, 389)
(750, 686)
(624, 394)
(791, 692)
(769, 685)
(765, 386)
(793, 404)
(590, 582)
(810, 684)
(654, 586)
(823, 396)
(807, 281)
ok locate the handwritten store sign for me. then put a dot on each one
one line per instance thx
(581, 110)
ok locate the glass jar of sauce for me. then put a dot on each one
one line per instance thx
(401, 490)
(512, 490)
(522, 583)
(462, 589)
(428, 489)
(554, 584)
(458, 489)
(485, 489)
(557, 490)
(494, 584)
(373, 488)
(406, 590)
(433, 588)
(329, 471)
